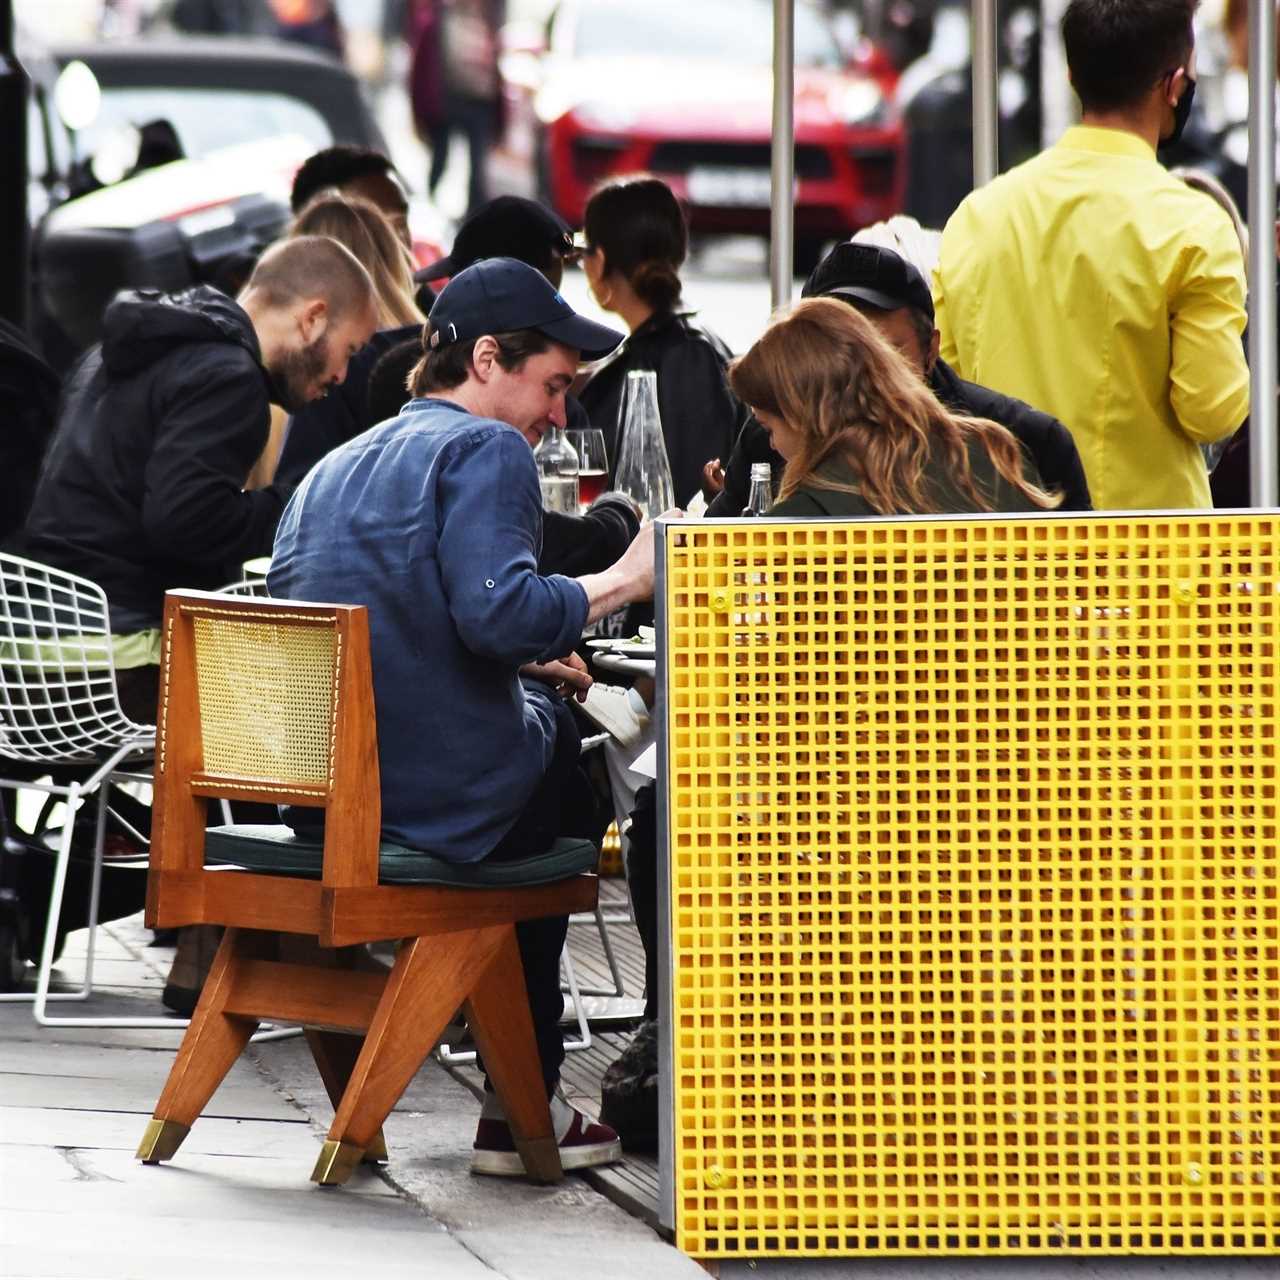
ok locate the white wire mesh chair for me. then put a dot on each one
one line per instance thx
(59, 710)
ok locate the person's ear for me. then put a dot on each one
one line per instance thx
(484, 357)
(931, 356)
(1177, 81)
(313, 320)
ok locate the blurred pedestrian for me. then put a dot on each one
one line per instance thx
(455, 85)
(1092, 284)
(314, 23)
(636, 241)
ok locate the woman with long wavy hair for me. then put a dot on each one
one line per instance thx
(862, 435)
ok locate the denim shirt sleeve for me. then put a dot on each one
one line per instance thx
(490, 519)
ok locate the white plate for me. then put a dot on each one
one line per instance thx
(629, 648)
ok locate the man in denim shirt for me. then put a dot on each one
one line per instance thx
(434, 521)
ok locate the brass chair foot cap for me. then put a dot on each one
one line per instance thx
(376, 1151)
(337, 1162)
(161, 1140)
(541, 1158)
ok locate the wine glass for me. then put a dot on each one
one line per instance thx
(593, 464)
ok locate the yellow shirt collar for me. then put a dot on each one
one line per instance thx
(1107, 142)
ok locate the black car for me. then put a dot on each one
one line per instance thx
(264, 103)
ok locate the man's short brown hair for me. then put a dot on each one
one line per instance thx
(307, 267)
(443, 368)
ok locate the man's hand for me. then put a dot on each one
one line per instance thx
(569, 675)
(629, 578)
(712, 478)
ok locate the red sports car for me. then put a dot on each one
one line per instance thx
(683, 89)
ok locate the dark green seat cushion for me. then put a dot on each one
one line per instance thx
(277, 850)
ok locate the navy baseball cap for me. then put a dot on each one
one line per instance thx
(506, 227)
(501, 295)
(872, 274)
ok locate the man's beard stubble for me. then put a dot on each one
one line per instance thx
(295, 373)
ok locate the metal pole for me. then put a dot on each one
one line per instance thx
(13, 176)
(1263, 480)
(986, 117)
(782, 224)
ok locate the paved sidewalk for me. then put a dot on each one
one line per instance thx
(236, 1200)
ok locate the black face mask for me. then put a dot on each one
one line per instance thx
(1181, 114)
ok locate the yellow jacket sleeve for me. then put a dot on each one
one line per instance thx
(1209, 379)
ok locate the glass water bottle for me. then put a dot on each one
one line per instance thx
(760, 497)
(643, 471)
(557, 472)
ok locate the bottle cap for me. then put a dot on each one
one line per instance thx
(761, 471)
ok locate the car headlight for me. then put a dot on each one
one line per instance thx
(859, 102)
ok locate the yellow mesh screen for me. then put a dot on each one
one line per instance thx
(266, 698)
(974, 886)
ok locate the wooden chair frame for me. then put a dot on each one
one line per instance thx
(369, 1031)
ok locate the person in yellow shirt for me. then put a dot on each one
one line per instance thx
(1092, 284)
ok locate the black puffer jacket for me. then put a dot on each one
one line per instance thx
(142, 487)
(701, 417)
(1047, 442)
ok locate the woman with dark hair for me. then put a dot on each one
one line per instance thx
(862, 435)
(637, 240)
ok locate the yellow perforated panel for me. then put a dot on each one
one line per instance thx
(976, 944)
(260, 684)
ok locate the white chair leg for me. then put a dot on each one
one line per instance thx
(575, 995)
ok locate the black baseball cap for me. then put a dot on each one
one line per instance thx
(507, 227)
(501, 295)
(871, 274)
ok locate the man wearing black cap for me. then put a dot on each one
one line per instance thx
(891, 293)
(508, 227)
(433, 521)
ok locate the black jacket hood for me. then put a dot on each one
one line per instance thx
(142, 325)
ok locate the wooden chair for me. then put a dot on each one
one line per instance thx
(273, 700)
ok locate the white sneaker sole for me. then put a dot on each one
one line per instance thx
(507, 1164)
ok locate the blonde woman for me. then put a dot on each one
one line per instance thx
(364, 229)
(862, 435)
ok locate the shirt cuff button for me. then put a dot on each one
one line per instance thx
(488, 582)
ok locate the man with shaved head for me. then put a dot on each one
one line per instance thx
(143, 484)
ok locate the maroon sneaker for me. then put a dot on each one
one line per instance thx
(586, 1143)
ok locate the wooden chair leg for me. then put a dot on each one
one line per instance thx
(430, 978)
(499, 1017)
(213, 1042)
(335, 1053)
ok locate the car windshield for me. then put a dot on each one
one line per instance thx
(206, 119)
(737, 31)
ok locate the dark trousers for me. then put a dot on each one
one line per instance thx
(475, 119)
(561, 806)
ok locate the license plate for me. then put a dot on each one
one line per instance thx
(736, 188)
